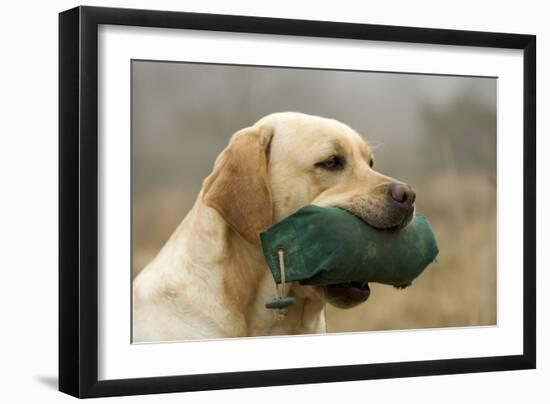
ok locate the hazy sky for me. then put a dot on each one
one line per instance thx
(184, 113)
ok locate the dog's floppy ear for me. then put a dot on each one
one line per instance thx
(238, 188)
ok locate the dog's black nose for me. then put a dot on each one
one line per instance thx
(402, 194)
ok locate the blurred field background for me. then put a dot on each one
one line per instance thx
(437, 133)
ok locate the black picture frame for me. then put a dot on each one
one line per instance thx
(78, 201)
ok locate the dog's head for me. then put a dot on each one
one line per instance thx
(289, 160)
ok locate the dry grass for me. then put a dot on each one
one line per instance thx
(458, 290)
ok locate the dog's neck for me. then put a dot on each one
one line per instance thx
(217, 261)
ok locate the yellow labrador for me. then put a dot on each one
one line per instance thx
(210, 279)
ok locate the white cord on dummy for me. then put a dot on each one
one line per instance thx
(281, 293)
(281, 253)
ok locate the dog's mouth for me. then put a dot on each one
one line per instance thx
(351, 294)
(347, 295)
(395, 222)
(407, 219)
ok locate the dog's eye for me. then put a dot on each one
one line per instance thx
(333, 163)
(371, 162)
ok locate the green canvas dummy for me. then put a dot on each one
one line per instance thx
(323, 246)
